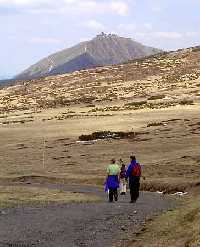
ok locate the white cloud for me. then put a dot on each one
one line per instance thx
(83, 39)
(70, 1)
(93, 24)
(148, 26)
(157, 9)
(157, 6)
(93, 7)
(168, 35)
(161, 35)
(44, 40)
(19, 3)
(191, 34)
(128, 27)
(131, 28)
(118, 7)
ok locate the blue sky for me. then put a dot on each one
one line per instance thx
(32, 29)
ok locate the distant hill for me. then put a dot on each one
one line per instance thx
(102, 50)
(7, 82)
(84, 61)
(158, 81)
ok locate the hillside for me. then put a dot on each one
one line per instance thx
(6, 82)
(102, 50)
(64, 130)
(165, 79)
(83, 61)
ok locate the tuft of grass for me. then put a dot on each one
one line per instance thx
(196, 49)
(108, 135)
(154, 124)
(177, 228)
(18, 195)
(156, 97)
(136, 103)
(169, 185)
(186, 102)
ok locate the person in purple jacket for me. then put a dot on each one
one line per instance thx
(133, 174)
(122, 178)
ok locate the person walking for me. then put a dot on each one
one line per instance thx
(122, 178)
(112, 180)
(133, 174)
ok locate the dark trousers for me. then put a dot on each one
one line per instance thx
(134, 186)
(113, 193)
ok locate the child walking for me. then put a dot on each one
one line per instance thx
(122, 177)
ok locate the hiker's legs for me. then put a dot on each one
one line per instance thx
(123, 187)
(132, 193)
(115, 192)
(111, 192)
(134, 189)
(137, 190)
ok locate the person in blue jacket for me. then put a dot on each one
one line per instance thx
(133, 174)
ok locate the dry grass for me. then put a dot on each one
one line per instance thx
(18, 195)
(168, 147)
(162, 148)
(172, 74)
(177, 228)
(170, 185)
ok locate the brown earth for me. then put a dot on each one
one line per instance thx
(78, 224)
(168, 148)
(157, 98)
(154, 82)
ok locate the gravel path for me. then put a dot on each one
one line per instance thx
(78, 224)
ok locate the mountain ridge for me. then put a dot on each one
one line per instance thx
(158, 81)
(103, 50)
(81, 62)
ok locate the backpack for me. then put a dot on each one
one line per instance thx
(136, 171)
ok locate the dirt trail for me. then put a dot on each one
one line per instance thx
(78, 224)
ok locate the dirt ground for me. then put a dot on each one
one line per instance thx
(167, 145)
(79, 224)
(158, 98)
(49, 152)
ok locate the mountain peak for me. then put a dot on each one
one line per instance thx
(104, 49)
(104, 35)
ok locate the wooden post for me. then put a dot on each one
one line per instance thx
(43, 155)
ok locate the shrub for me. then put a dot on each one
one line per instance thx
(186, 102)
(136, 103)
(155, 97)
(154, 124)
(107, 135)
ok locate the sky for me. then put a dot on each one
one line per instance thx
(33, 29)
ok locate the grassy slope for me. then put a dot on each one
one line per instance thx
(177, 77)
(11, 196)
(177, 228)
